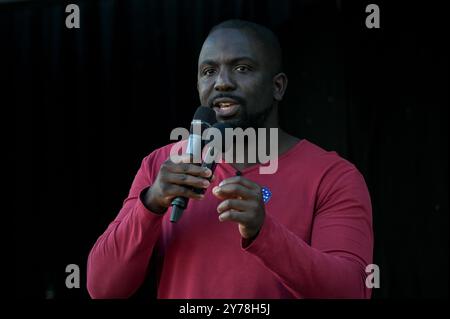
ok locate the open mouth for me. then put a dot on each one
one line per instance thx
(225, 108)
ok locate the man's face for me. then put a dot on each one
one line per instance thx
(235, 78)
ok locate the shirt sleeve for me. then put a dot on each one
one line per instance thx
(333, 265)
(118, 262)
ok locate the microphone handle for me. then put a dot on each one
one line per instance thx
(212, 167)
(179, 204)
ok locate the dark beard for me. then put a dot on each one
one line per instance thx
(255, 120)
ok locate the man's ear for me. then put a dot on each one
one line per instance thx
(280, 82)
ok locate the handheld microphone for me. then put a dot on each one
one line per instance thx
(210, 161)
(204, 118)
(213, 151)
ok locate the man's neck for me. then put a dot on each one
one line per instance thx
(285, 143)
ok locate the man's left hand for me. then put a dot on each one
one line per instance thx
(242, 203)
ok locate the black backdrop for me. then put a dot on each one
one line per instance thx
(90, 103)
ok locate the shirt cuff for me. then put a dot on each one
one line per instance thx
(143, 210)
(261, 241)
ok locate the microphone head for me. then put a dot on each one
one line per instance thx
(205, 114)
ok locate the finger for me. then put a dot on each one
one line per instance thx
(186, 180)
(234, 191)
(233, 204)
(240, 180)
(187, 168)
(235, 216)
(185, 158)
(176, 190)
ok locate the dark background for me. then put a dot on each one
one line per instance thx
(88, 104)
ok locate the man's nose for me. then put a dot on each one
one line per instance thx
(224, 82)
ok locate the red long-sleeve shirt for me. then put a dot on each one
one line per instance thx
(315, 242)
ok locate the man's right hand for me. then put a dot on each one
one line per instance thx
(176, 179)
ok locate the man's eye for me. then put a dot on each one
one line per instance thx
(208, 71)
(242, 68)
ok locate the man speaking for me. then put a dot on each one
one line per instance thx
(304, 231)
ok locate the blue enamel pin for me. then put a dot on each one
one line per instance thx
(267, 194)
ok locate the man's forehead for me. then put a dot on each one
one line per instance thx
(230, 43)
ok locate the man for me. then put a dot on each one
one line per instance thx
(309, 235)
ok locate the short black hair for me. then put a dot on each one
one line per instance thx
(266, 36)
